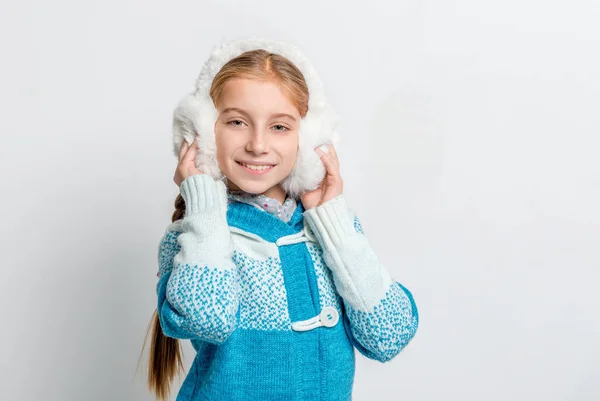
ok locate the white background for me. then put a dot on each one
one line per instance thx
(470, 140)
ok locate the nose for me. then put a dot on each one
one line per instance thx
(258, 142)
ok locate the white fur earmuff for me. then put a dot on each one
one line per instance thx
(196, 114)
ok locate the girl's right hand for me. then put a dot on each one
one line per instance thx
(186, 166)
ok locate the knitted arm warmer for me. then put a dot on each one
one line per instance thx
(198, 287)
(381, 313)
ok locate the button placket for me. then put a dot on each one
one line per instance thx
(329, 316)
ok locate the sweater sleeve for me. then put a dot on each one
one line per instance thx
(198, 286)
(380, 313)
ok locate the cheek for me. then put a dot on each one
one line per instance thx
(221, 148)
(294, 152)
(293, 147)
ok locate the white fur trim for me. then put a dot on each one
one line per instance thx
(196, 113)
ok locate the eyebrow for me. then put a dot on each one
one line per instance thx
(229, 109)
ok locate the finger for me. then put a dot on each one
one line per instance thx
(329, 150)
(334, 155)
(192, 150)
(182, 149)
(328, 162)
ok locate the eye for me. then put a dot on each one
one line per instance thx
(282, 128)
(233, 122)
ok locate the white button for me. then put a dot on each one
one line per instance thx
(329, 316)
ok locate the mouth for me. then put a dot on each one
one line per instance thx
(256, 169)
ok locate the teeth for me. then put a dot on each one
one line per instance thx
(257, 168)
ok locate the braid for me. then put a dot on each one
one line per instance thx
(165, 359)
(179, 208)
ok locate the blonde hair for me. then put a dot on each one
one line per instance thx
(165, 361)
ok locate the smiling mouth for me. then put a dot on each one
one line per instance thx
(257, 167)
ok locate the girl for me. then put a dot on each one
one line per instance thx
(264, 267)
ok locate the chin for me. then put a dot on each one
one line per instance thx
(252, 187)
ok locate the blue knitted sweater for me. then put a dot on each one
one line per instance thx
(275, 310)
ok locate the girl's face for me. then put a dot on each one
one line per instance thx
(257, 136)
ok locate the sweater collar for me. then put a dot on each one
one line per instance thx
(251, 219)
(283, 210)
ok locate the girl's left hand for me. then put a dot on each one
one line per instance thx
(332, 184)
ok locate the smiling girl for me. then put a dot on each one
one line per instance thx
(264, 268)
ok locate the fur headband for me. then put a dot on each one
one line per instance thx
(196, 114)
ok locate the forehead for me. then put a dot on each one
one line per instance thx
(256, 96)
